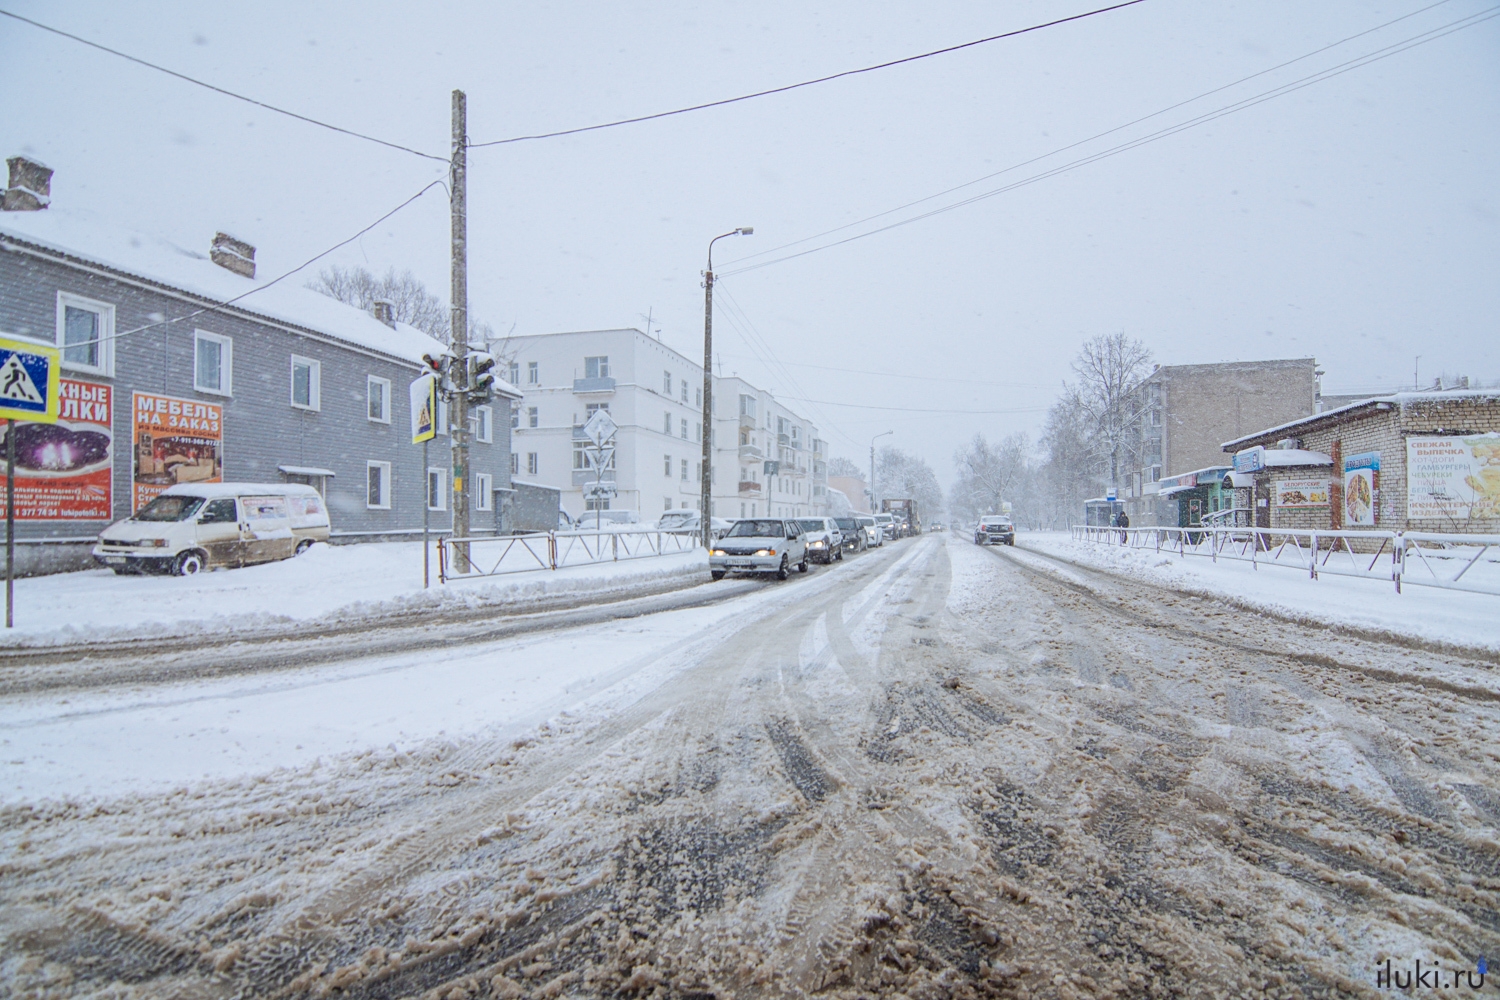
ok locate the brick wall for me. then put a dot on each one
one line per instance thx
(1206, 405)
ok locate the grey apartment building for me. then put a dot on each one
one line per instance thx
(174, 374)
(1186, 412)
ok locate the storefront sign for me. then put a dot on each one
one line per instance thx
(1361, 481)
(1453, 478)
(1302, 493)
(174, 441)
(1250, 460)
(64, 471)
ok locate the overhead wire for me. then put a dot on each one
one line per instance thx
(221, 90)
(918, 409)
(920, 378)
(217, 306)
(805, 83)
(1358, 62)
(1082, 142)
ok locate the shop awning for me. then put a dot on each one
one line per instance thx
(305, 470)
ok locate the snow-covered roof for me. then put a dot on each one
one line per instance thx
(1401, 399)
(305, 470)
(536, 486)
(86, 237)
(211, 490)
(1293, 456)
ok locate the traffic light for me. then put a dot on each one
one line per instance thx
(481, 381)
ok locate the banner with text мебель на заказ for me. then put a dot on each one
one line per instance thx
(174, 441)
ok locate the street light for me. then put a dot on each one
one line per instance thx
(706, 505)
(877, 437)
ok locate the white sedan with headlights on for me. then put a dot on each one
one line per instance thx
(760, 545)
(825, 542)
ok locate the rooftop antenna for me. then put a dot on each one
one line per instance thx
(649, 313)
(1416, 383)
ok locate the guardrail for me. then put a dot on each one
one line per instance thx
(497, 555)
(1420, 558)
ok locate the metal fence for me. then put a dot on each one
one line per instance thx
(497, 555)
(1420, 558)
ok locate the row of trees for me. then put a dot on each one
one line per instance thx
(1091, 442)
(411, 302)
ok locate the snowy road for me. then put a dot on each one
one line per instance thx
(935, 770)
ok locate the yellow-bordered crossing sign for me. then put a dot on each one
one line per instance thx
(30, 381)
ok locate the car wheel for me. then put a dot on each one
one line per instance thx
(188, 564)
(303, 546)
(717, 574)
(784, 570)
(125, 571)
(802, 566)
(839, 555)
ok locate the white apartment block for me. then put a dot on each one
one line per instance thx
(655, 395)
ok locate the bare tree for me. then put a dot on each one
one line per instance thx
(902, 475)
(991, 475)
(411, 302)
(1070, 473)
(841, 466)
(1110, 369)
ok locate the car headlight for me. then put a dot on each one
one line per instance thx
(817, 545)
(765, 552)
(153, 543)
(716, 552)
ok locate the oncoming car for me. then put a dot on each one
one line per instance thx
(760, 545)
(995, 529)
(825, 542)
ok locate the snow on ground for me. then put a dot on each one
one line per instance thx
(327, 582)
(1427, 613)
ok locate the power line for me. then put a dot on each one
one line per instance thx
(921, 378)
(1319, 77)
(1081, 142)
(919, 409)
(805, 83)
(220, 90)
(260, 288)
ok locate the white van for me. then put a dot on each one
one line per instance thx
(196, 526)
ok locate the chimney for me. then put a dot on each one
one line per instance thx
(233, 255)
(385, 311)
(30, 187)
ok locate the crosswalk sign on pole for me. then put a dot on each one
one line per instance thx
(30, 380)
(424, 409)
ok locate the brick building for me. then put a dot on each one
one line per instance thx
(1412, 461)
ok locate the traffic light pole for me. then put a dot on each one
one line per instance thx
(458, 364)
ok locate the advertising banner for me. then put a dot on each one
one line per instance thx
(1453, 478)
(1302, 493)
(64, 471)
(174, 441)
(1361, 481)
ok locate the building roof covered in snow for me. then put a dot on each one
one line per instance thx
(84, 239)
(1402, 400)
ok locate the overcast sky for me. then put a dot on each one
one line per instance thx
(1354, 220)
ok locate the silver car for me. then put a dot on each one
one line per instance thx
(760, 545)
(825, 542)
(873, 535)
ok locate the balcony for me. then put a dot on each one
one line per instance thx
(747, 421)
(751, 451)
(582, 477)
(749, 488)
(783, 439)
(587, 385)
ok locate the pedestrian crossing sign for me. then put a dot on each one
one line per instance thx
(29, 381)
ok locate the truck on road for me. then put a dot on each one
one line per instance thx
(903, 512)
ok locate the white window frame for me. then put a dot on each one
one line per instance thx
(601, 366)
(666, 424)
(533, 463)
(684, 391)
(684, 428)
(385, 485)
(226, 363)
(442, 487)
(666, 383)
(515, 463)
(533, 373)
(533, 416)
(106, 325)
(685, 478)
(484, 424)
(667, 465)
(314, 384)
(484, 486)
(385, 385)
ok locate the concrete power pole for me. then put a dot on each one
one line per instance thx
(458, 365)
(706, 501)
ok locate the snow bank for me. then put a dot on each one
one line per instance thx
(324, 585)
(1430, 615)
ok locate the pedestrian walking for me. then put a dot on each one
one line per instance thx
(1122, 520)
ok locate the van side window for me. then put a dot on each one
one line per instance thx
(219, 512)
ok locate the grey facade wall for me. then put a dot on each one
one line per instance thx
(262, 430)
(1206, 405)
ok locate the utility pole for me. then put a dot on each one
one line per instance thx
(877, 437)
(458, 364)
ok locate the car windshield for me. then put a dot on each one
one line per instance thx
(675, 520)
(757, 529)
(169, 508)
(813, 524)
(844, 523)
(995, 521)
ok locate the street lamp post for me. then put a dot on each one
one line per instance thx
(877, 437)
(705, 516)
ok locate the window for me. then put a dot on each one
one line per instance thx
(666, 503)
(580, 456)
(698, 397)
(747, 406)
(666, 383)
(531, 463)
(306, 390)
(592, 408)
(684, 390)
(533, 418)
(379, 395)
(515, 463)
(484, 424)
(85, 333)
(378, 488)
(697, 431)
(515, 418)
(219, 511)
(437, 489)
(666, 424)
(533, 373)
(596, 367)
(213, 363)
(667, 466)
(513, 372)
(684, 470)
(684, 429)
(484, 490)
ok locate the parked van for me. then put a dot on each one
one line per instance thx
(196, 526)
